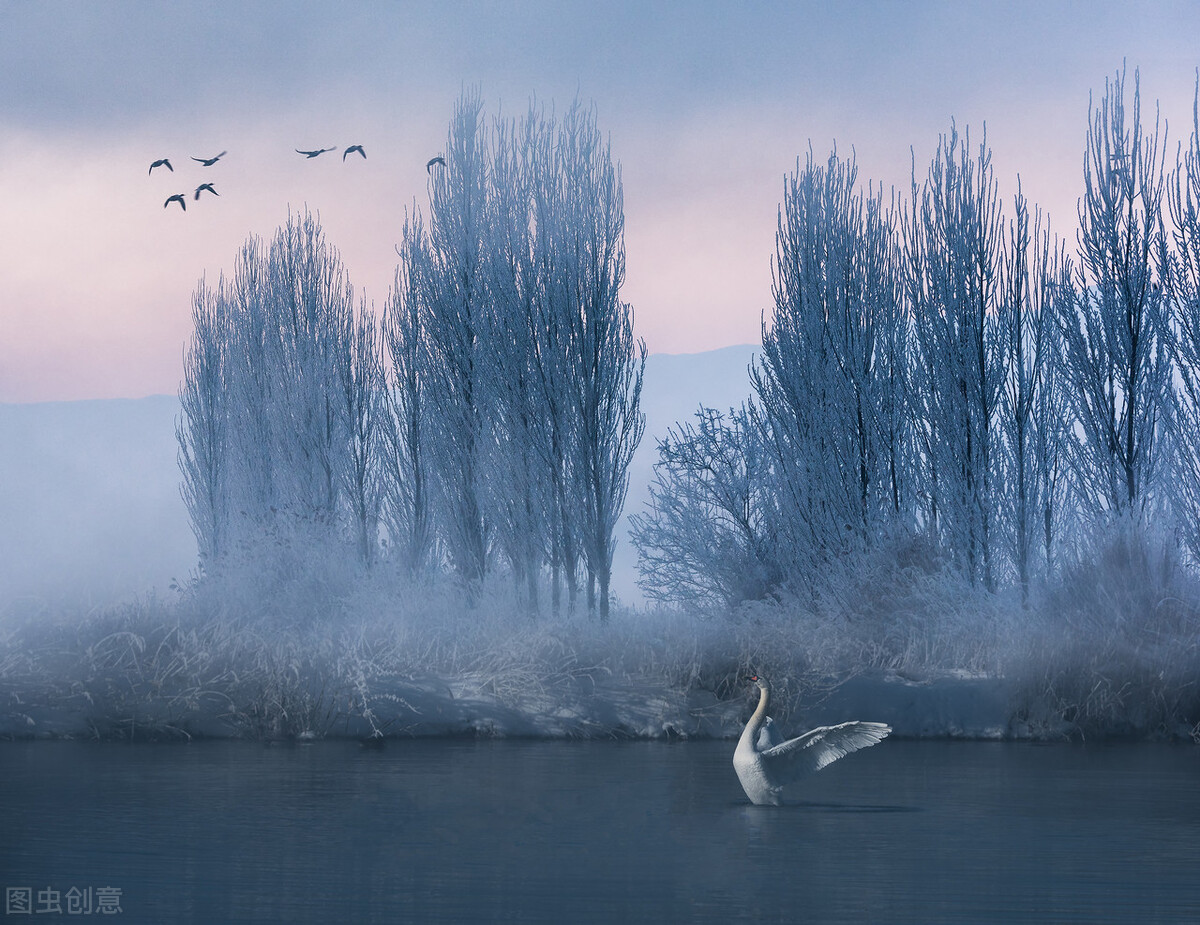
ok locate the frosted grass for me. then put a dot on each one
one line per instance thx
(1112, 649)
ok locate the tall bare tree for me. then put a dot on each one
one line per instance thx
(553, 357)
(829, 382)
(523, 468)
(952, 244)
(1036, 274)
(605, 360)
(455, 326)
(275, 347)
(203, 427)
(1183, 195)
(363, 394)
(1115, 332)
(312, 303)
(405, 464)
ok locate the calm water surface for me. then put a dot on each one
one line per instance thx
(433, 831)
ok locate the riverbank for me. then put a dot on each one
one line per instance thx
(170, 670)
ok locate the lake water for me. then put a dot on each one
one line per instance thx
(463, 831)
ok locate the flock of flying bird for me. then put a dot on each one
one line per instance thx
(181, 198)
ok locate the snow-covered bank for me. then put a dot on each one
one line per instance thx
(170, 671)
(575, 702)
(587, 704)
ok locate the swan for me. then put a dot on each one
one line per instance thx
(765, 763)
(436, 159)
(161, 162)
(178, 197)
(317, 153)
(205, 187)
(351, 150)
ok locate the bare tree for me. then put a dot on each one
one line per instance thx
(203, 427)
(363, 393)
(829, 382)
(1115, 332)
(519, 340)
(405, 464)
(1036, 275)
(1183, 194)
(455, 327)
(952, 252)
(554, 358)
(603, 373)
(313, 302)
(518, 285)
(707, 536)
(275, 347)
(254, 347)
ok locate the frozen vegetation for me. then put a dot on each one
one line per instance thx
(960, 497)
(1111, 651)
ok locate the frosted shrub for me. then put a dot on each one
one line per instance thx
(901, 607)
(1116, 648)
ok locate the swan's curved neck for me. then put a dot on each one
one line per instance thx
(761, 712)
(756, 719)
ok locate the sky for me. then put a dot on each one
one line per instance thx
(708, 105)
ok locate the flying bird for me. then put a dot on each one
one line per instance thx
(434, 160)
(209, 161)
(205, 186)
(314, 153)
(179, 198)
(765, 763)
(352, 149)
(161, 162)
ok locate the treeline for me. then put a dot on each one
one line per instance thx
(482, 425)
(942, 374)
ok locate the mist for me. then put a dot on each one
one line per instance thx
(93, 514)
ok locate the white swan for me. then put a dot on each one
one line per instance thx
(765, 763)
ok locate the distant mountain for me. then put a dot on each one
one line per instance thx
(90, 510)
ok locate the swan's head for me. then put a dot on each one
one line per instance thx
(761, 682)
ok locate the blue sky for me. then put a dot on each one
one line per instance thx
(708, 106)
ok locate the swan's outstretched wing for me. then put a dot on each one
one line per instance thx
(824, 745)
(768, 736)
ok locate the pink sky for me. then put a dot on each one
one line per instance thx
(707, 108)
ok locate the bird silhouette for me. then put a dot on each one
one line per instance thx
(205, 186)
(209, 161)
(435, 160)
(352, 149)
(161, 162)
(179, 198)
(766, 763)
(315, 153)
